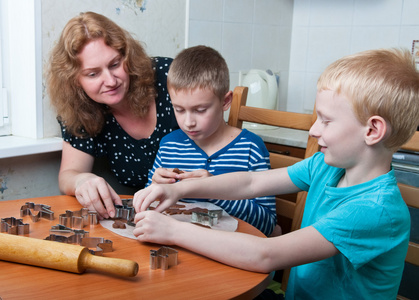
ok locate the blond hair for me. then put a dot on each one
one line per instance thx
(199, 67)
(73, 106)
(381, 82)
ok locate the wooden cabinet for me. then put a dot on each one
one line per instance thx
(286, 150)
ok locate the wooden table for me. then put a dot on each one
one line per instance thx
(195, 276)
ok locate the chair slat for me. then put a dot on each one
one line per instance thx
(285, 208)
(413, 143)
(410, 194)
(275, 118)
(412, 256)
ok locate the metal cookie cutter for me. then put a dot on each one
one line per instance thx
(78, 219)
(102, 245)
(163, 258)
(125, 211)
(65, 234)
(14, 226)
(207, 219)
(43, 210)
(62, 234)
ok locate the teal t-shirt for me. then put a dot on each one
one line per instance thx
(368, 223)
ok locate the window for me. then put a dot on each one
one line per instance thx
(24, 68)
(21, 76)
(4, 105)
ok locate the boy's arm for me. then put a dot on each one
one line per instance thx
(238, 249)
(230, 186)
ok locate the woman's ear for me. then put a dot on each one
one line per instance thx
(228, 98)
(376, 130)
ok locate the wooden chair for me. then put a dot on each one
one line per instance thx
(288, 207)
(410, 195)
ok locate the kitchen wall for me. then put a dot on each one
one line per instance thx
(299, 38)
(325, 30)
(29, 176)
(250, 34)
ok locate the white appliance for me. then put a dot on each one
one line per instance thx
(263, 92)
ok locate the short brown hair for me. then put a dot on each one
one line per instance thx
(199, 67)
(381, 82)
(73, 106)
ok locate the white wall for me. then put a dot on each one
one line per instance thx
(325, 30)
(29, 176)
(250, 34)
(299, 38)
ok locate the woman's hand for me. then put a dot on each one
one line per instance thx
(96, 194)
(75, 178)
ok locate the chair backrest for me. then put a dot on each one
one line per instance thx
(290, 207)
(410, 195)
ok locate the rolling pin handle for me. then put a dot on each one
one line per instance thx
(116, 266)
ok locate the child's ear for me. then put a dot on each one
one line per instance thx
(228, 98)
(376, 130)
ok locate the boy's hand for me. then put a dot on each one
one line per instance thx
(164, 193)
(154, 227)
(163, 175)
(201, 173)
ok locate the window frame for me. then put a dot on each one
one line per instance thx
(22, 77)
(5, 128)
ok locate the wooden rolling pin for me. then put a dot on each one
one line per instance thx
(60, 256)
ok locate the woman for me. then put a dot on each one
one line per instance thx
(111, 100)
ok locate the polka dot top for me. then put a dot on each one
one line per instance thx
(131, 159)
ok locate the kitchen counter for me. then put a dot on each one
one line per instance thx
(282, 136)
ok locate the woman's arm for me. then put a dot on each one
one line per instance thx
(92, 191)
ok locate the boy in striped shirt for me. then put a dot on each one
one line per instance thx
(198, 83)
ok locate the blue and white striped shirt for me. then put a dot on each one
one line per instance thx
(246, 152)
